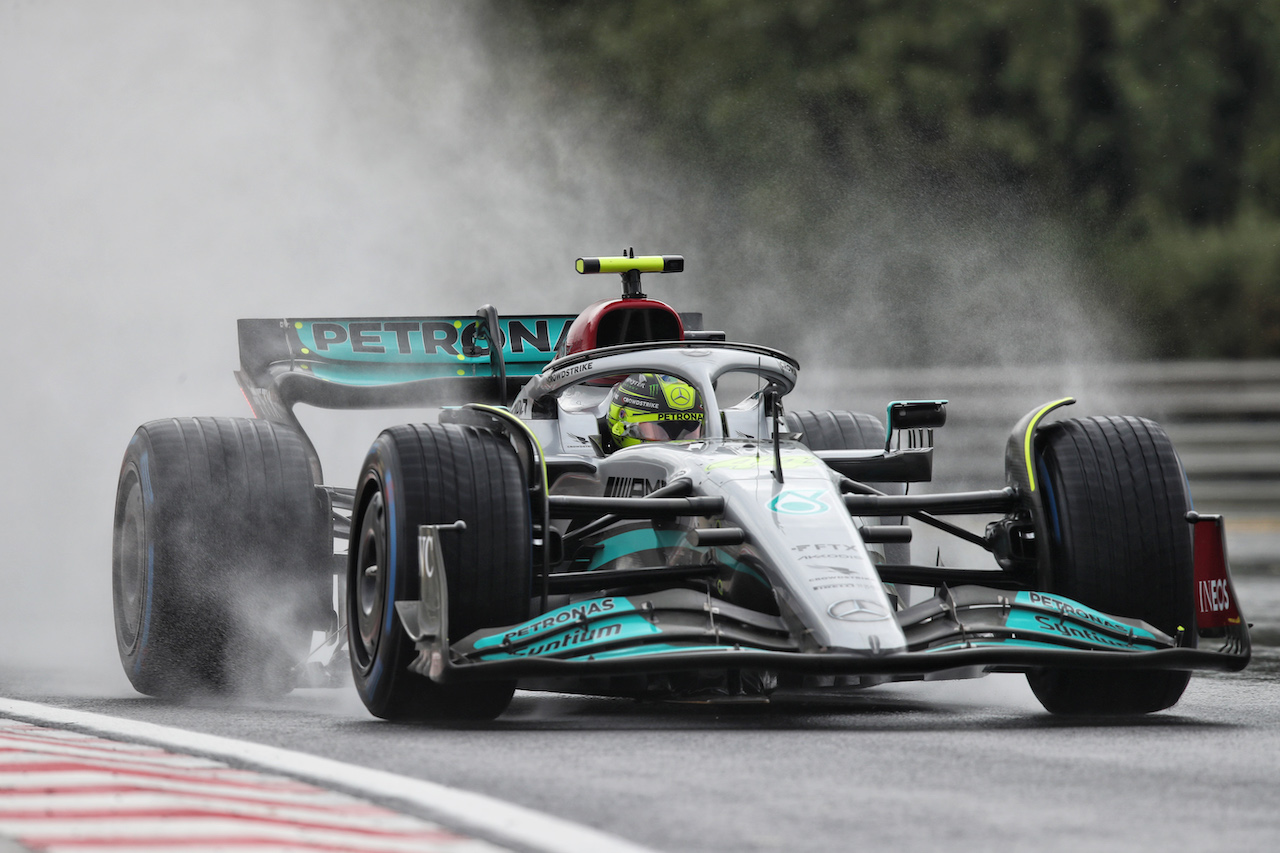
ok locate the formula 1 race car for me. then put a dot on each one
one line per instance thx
(618, 503)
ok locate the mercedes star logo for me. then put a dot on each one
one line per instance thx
(858, 610)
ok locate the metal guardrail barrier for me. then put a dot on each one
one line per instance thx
(1223, 416)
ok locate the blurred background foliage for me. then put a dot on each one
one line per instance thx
(1148, 129)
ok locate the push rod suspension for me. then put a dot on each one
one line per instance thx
(952, 503)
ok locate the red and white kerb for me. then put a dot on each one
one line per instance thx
(65, 791)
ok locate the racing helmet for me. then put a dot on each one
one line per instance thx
(654, 407)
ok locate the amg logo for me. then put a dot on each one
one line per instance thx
(631, 487)
(1213, 596)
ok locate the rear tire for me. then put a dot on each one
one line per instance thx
(435, 474)
(1116, 499)
(221, 558)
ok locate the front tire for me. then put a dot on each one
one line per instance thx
(1116, 499)
(220, 560)
(435, 474)
(837, 430)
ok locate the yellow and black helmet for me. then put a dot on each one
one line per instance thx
(654, 407)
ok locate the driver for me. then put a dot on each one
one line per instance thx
(654, 407)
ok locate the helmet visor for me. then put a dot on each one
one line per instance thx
(664, 430)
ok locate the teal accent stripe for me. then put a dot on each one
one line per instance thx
(648, 539)
(1074, 610)
(1048, 625)
(1034, 644)
(560, 619)
(577, 641)
(374, 375)
(644, 539)
(739, 566)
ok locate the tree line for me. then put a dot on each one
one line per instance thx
(1148, 128)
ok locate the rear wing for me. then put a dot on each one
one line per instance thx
(372, 362)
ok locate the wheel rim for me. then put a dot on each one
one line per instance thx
(370, 593)
(131, 565)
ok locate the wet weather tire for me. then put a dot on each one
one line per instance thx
(221, 563)
(435, 474)
(1116, 499)
(837, 430)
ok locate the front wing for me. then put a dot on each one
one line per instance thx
(962, 628)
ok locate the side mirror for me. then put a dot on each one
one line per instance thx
(915, 415)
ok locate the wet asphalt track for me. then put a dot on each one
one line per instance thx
(941, 767)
